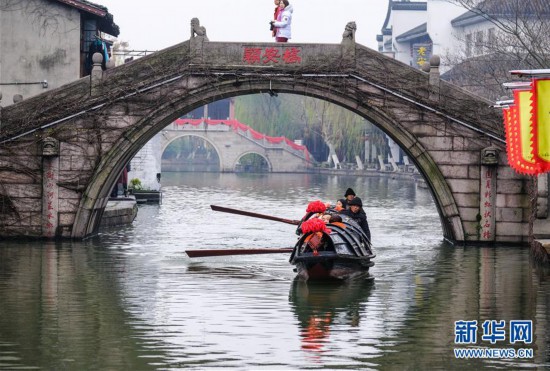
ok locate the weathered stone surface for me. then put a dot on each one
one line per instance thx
(455, 158)
(95, 143)
(68, 205)
(28, 204)
(512, 200)
(437, 143)
(467, 199)
(468, 214)
(424, 130)
(464, 185)
(474, 171)
(512, 229)
(454, 171)
(66, 219)
(24, 190)
(510, 214)
(510, 186)
(471, 231)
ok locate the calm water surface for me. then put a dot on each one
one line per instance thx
(130, 298)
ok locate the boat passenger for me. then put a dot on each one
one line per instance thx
(340, 205)
(335, 218)
(357, 213)
(325, 217)
(348, 196)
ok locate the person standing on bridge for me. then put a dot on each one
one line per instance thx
(283, 23)
(275, 16)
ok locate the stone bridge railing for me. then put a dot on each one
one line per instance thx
(248, 134)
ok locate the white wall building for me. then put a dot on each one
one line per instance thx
(44, 43)
(413, 31)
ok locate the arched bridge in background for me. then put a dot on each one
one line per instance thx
(62, 151)
(232, 140)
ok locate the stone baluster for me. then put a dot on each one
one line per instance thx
(97, 73)
(434, 78)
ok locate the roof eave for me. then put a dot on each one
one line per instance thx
(86, 7)
(411, 37)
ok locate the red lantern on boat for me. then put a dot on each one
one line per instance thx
(316, 207)
(314, 225)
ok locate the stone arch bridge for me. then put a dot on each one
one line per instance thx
(232, 140)
(61, 151)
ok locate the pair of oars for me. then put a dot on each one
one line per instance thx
(218, 252)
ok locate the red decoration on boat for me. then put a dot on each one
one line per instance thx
(314, 225)
(316, 207)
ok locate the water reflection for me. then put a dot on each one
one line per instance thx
(61, 309)
(317, 305)
(131, 299)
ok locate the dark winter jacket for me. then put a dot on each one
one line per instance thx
(360, 218)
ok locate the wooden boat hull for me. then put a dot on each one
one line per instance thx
(343, 253)
(331, 266)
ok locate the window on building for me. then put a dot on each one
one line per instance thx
(479, 43)
(491, 37)
(469, 45)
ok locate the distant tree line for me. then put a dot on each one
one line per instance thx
(325, 128)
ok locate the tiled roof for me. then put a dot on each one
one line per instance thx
(503, 9)
(409, 5)
(401, 5)
(414, 33)
(105, 19)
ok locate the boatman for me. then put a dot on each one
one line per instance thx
(357, 213)
(348, 196)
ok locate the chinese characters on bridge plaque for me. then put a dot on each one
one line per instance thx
(50, 190)
(487, 203)
(272, 55)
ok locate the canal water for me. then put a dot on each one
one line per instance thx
(130, 298)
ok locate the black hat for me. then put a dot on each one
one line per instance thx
(349, 191)
(355, 202)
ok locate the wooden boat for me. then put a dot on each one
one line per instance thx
(340, 250)
(337, 250)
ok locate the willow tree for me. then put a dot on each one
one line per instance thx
(300, 117)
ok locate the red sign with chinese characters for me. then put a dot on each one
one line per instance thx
(273, 55)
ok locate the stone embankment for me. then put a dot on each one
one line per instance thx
(119, 211)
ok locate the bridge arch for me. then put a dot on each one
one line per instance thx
(179, 105)
(269, 165)
(440, 127)
(172, 139)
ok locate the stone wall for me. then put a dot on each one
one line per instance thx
(50, 38)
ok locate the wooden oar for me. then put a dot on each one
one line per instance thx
(254, 215)
(218, 252)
